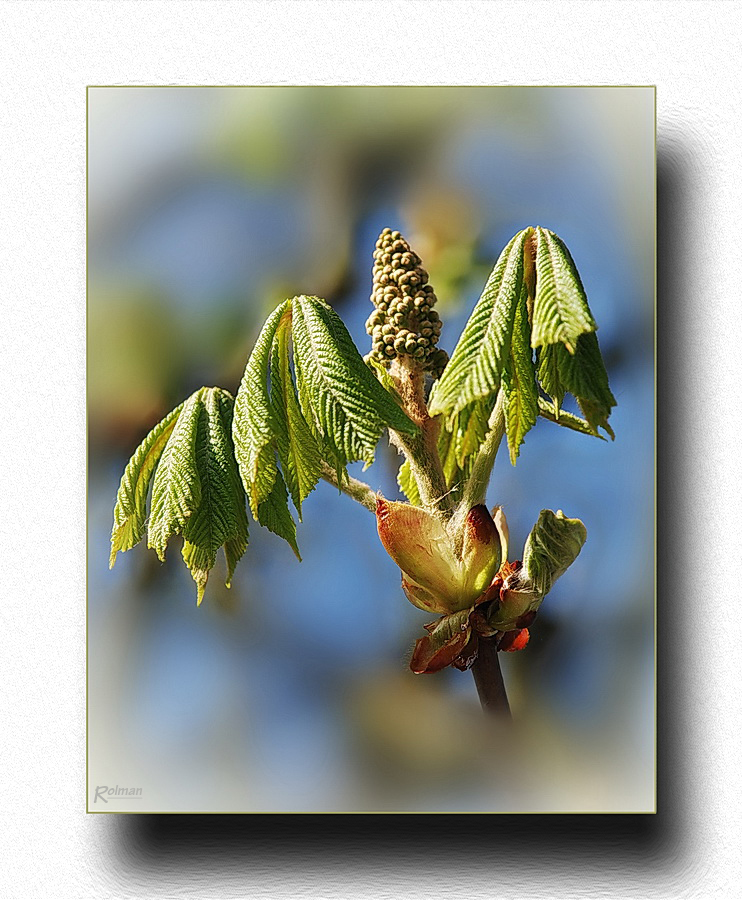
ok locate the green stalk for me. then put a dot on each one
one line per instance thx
(475, 487)
(358, 490)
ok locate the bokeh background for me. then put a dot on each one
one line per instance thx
(291, 692)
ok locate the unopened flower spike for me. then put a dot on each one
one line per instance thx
(404, 322)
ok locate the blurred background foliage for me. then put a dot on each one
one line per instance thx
(206, 208)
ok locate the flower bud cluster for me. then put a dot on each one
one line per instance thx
(403, 322)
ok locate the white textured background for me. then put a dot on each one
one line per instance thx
(49, 52)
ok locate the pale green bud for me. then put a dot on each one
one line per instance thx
(552, 546)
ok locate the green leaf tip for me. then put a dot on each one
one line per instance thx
(408, 484)
(130, 512)
(196, 490)
(273, 514)
(569, 420)
(582, 374)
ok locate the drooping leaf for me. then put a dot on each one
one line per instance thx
(337, 390)
(196, 491)
(220, 519)
(176, 489)
(560, 310)
(408, 484)
(563, 330)
(460, 438)
(236, 544)
(521, 396)
(130, 512)
(254, 426)
(298, 450)
(548, 376)
(476, 366)
(534, 298)
(566, 419)
(274, 514)
(583, 374)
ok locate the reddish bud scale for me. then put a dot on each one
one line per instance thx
(514, 640)
(492, 592)
(526, 620)
(480, 525)
(479, 623)
(465, 659)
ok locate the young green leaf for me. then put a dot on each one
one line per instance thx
(196, 489)
(548, 375)
(298, 450)
(560, 310)
(566, 419)
(449, 444)
(337, 390)
(254, 425)
(220, 519)
(236, 541)
(408, 484)
(519, 380)
(176, 490)
(131, 501)
(382, 374)
(470, 427)
(274, 514)
(475, 369)
(583, 374)
(552, 546)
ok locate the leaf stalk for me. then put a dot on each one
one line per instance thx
(354, 488)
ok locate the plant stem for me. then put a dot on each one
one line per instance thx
(357, 490)
(475, 488)
(422, 450)
(488, 679)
